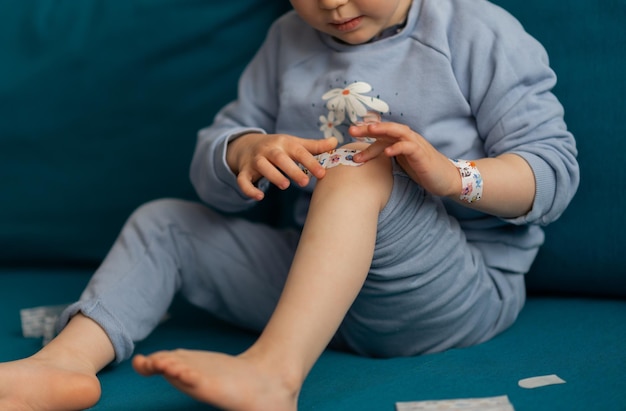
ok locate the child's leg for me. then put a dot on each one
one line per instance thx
(221, 264)
(329, 268)
(62, 376)
(430, 287)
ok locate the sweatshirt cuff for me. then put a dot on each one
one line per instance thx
(545, 190)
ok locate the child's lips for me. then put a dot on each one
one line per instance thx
(348, 24)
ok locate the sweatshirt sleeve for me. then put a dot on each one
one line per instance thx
(505, 75)
(252, 112)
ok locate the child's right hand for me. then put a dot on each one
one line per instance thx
(275, 157)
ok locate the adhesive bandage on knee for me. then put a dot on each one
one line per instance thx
(335, 158)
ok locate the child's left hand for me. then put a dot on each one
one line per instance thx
(419, 159)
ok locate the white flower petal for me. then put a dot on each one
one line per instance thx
(331, 117)
(336, 103)
(338, 135)
(336, 92)
(375, 103)
(355, 109)
(341, 116)
(359, 87)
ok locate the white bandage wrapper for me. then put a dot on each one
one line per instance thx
(471, 180)
(468, 404)
(540, 381)
(41, 321)
(335, 158)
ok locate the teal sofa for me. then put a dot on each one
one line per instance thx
(100, 102)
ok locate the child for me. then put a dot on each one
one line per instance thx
(403, 252)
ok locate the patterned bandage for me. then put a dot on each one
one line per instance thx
(471, 180)
(334, 158)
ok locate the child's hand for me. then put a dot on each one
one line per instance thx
(275, 157)
(419, 159)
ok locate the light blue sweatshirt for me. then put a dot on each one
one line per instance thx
(462, 73)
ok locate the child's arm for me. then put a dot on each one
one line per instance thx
(509, 183)
(254, 111)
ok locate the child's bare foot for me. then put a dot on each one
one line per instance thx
(37, 384)
(229, 382)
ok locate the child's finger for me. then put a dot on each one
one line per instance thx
(358, 130)
(312, 164)
(400, 148)
(291, 169)
(245, 182)
(372, 151)
(319, 146)
(314, 147)
(271, 170)
(391, 131)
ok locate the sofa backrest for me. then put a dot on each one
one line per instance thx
(585, 251)
(100, 103)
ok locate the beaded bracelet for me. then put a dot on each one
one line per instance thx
(471, 180)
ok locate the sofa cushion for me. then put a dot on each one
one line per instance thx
(586, 41)
(101, 102)
(580, 340)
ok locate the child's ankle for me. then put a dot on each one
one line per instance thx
(290, 377)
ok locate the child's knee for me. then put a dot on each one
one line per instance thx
(156, 210)
(163, 213)
(375, 175)
(372, 178)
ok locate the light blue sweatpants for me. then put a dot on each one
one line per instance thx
(428, 288)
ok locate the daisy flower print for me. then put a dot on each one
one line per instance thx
(353, 102)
